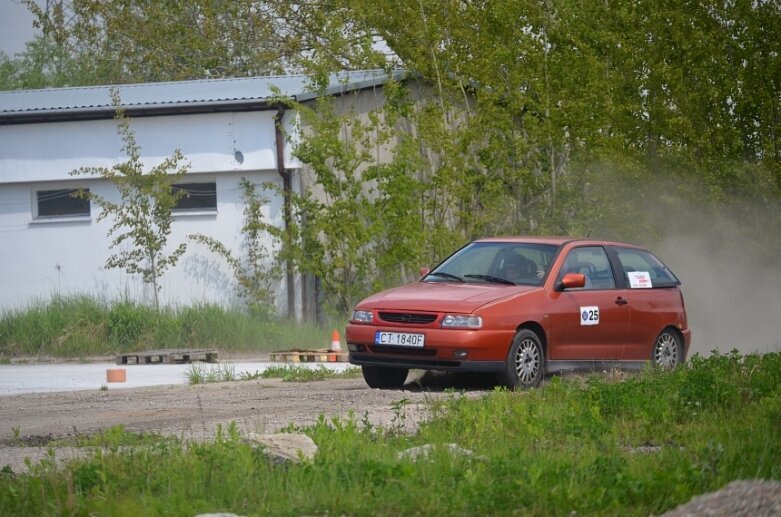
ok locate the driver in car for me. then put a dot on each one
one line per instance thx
(519, 269)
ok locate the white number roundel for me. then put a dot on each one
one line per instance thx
(589, 315)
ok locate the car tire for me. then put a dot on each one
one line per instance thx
(667, 352)
(525, 364)
(385, 378)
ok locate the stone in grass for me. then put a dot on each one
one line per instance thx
(749, 497)
(285, 447)
(424, 451)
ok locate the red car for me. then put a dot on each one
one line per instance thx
(523, 306)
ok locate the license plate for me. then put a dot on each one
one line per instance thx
(399, 338)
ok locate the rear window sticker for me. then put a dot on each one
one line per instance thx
(639, 279)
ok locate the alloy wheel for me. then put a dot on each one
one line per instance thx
(527, 360)
(666, 351)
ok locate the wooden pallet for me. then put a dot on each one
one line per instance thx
(169, 356)
(309, 356)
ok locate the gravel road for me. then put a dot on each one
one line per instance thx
(29, 421)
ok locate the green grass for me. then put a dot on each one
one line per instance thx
(82, 326)
(113, 438)
(570, 446)
(292, 373)
(198, 374)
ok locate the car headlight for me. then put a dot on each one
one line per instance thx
(468, 321)
(362, 317)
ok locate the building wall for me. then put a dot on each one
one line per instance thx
(40, 258)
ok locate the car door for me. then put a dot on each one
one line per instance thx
(653, 299)
(588, 323)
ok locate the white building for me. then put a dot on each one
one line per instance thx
(227, 129)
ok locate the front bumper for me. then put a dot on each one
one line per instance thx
(454, 365)
(469, 350)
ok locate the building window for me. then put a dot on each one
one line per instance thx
(198, 196)
(61, 203)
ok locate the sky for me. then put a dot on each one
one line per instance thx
(15, 26)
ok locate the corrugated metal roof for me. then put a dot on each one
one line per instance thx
(178, 96)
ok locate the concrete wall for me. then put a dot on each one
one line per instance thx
(40, 258)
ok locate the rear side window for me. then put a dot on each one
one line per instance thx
(641, 261)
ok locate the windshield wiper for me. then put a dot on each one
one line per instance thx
(447, 275)
(493, 279)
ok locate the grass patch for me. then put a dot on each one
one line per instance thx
(293, 373)
(197, 374)
(571, 446)
(114, 438)
(82, 326)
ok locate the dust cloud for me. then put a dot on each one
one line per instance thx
(727, 254)
(731, 280)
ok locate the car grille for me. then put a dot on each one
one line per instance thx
(408, 317)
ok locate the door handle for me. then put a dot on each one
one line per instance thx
(621, 301)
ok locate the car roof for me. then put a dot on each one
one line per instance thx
(554, 240)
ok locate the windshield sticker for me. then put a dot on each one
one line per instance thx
(589, 315)
(639, 279)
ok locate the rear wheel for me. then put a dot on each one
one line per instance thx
(384, 377)
(667, 352)
(525, 365)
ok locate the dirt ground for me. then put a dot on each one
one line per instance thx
(28, 422)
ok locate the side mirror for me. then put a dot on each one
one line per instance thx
(572, 281)
(424, 271)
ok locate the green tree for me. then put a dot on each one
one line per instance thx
(125, 41)
(256, 269)
(685, 90)
(141, 219)
(521, 116)
(42, 64)
(335, 224)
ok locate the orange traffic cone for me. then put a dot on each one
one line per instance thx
(336, 344)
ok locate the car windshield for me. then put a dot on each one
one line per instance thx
(503, 263)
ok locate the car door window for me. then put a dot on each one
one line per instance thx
(592, 262)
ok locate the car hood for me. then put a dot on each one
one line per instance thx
(442, 296)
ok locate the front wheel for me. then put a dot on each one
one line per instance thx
(525, 365)
(385, 378)
(667, 352)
